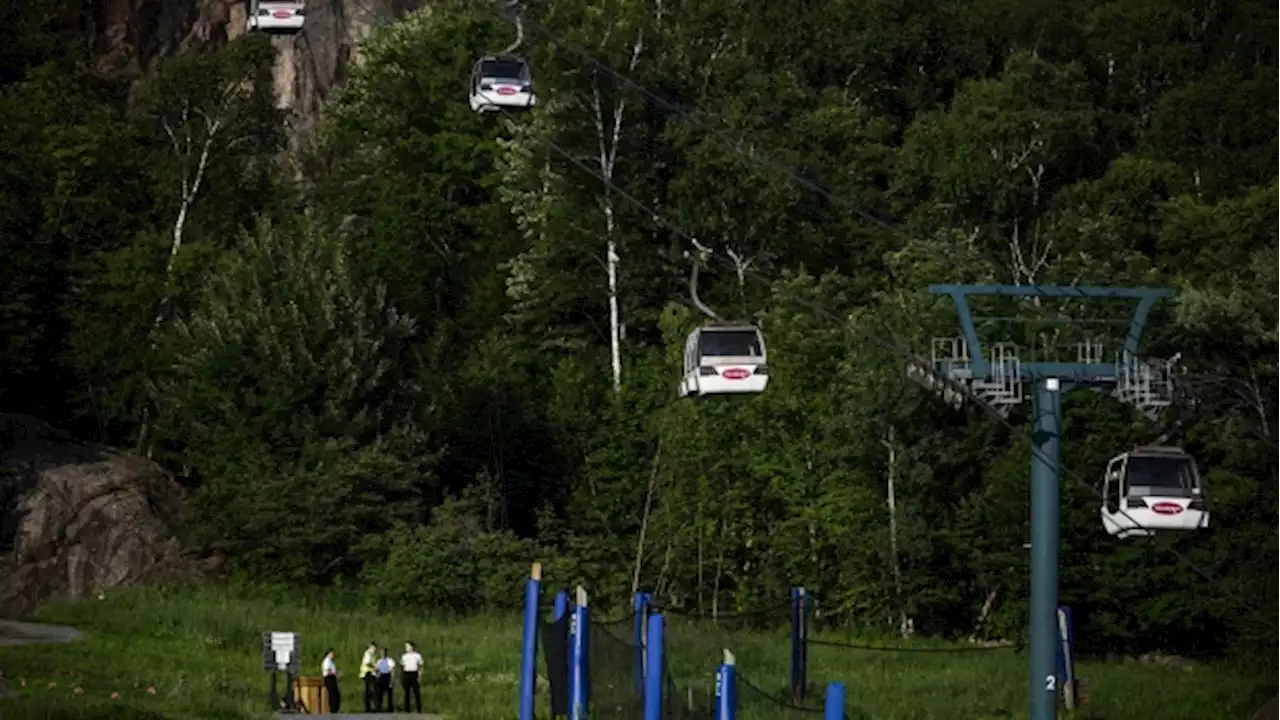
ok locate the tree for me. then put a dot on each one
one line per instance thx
(72, 184)
(288, 389)
(991, 163)
(211, 108)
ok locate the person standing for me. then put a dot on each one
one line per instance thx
(385, 666)
(410, 666)
(329, 668)
(369, 674)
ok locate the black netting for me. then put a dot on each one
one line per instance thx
(611, 661)
(769, 617)
(758, 703)
(694, 648)
(555, 649)
(691, 700)
(759, 641)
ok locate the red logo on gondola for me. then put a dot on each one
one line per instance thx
(506, 91)
(735, 374)
(1166, 508)
(282, 14)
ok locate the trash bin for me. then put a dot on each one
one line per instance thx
(309, 691)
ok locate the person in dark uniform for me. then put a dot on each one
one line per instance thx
(385, 667)
(410, 667)
(329, 668)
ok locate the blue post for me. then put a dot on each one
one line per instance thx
(571, 652)
(795, 645)
(529, 649)
(561, 606)
(726, 691)
(654, 676)
(1045, 491)
(641, 607)
(579, 689)
(833, 708)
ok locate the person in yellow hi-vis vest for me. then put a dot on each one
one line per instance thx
(369, 674)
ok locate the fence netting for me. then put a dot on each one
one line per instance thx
(555, 650)
(694, 647)
(690, 700)
(611, 658)
(757, 703)
(833, 647)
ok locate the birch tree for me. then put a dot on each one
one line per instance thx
(213, 113)
(608, 123)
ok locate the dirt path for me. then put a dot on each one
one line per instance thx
(1270, 711)
(360, 716)
(20, 633)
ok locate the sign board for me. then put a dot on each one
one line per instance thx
(281, 651)
(1066, 655)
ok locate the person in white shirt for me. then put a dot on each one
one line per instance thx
(385, 666)
(410, 666)
(329, 668)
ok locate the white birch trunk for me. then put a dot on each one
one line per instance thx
(608, 139)
(189, 186)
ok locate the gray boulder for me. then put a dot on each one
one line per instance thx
(78, 518)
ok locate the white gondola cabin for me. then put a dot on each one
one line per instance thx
(1153, 489)
(500, 82)
(277, 16)
(724, 359)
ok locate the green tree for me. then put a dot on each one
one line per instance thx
(287, 389)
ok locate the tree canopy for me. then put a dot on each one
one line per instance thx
(395, 366)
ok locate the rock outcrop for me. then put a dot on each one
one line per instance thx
(136, 34)
(78, 518)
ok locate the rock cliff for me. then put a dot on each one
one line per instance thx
(78, 518)
(134, 35)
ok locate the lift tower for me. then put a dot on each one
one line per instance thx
(960, 368)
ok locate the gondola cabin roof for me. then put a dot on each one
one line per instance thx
(727, 327)
(1158, 451)
(513, 62)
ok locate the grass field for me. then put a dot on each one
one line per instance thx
(200, 649)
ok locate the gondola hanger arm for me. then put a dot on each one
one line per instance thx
(514, 7)
(703, 252)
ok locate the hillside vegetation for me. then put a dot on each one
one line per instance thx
(198, 650)
(384, 360)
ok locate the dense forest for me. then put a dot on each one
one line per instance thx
(381, 354)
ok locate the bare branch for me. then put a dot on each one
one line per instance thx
(597, 116)
(644, 521)
(173, 139)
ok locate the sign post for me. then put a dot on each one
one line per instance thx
(1067, 656)
(281, 652)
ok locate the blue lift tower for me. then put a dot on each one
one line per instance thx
(961, 368)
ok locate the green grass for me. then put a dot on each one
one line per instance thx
(970, 685)
(200, 648)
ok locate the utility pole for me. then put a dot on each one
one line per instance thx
(998, 384)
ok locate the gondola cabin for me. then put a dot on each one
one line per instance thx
(277, 16)
(501, 82)
(724, 359)
(1153, 489)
